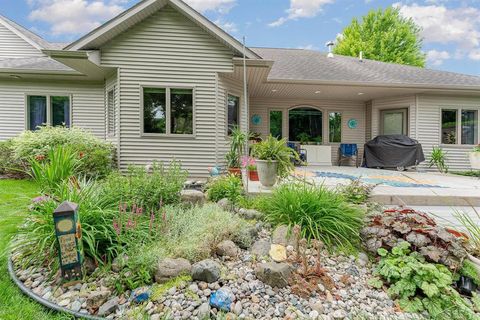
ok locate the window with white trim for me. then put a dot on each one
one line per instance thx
(233, 113)
(459, 126)
(51, 110)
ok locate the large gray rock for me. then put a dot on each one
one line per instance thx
(227, 248)
(261, 248)
(108, 307)
(282, 235)
(192, 197)
(97, 298)
(206, 270)
(170, 268)
(225, 204)
(274, 274)
(204, 311)
(249, 214)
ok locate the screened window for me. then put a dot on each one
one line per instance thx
(305, 125)
(460, 126)
(469, 127)
(233, 105)
(48, 110)
(335, 127)
(449, 126)
(111, 114)
(168, 116)
(276, 119)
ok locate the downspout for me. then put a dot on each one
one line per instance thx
(245, 98)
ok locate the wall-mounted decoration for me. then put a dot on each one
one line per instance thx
(353, 123)
(256, 119)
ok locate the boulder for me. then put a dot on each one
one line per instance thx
(282, 235)
(192, 197)
(206, 270)
(278, 253)
(274, 274)
(225, 204)
(227, 248)
(249, 214)
(108, 307)
(261, 248)
(204, 311)
(170, 268)
(97, 298)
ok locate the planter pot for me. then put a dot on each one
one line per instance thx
(475, 160)
(235, 171)
(253, 175)
(267, 172)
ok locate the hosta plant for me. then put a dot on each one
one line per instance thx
(435, 243)
(421, 286)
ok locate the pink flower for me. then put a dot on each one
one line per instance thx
(247, 161)
(117, 228)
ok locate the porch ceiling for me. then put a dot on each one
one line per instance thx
(260, 86)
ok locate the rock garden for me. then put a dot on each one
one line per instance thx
(152, 245)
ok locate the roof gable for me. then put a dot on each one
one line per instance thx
(144, 9)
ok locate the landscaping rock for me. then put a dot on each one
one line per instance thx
(170, 268)
(274, 274)
(108, 307)
(97, 298)
(204, 311)
(76, 306)
(261, 248)
(206, 270)
(339, 314)
(192, 197)
(278, 252)
(119, 263)
(282, 235)
(249, 214)
(225, 204)
(227, 248)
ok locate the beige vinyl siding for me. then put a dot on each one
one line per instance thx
(348, 109)
(87, 105)
(13, 46)
(167, 49)
(111, 83)
(429, 127)
(368, 120)
(406, 102)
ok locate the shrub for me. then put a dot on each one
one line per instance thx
(470, 223)
(97, 155)
(356, 191)
(323, 214)
(438, 158)
(137, 186)
(229, 186)
(421, 286)
(8, 164)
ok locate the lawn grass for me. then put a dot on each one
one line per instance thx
(15, 196)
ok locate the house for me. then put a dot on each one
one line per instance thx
(162, 82)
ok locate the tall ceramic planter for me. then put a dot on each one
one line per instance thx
(475, 160)
(267, 172)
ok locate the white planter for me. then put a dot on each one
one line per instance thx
(475, 261)
(475, 160)
(267, 172)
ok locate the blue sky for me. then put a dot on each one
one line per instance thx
(451, 28)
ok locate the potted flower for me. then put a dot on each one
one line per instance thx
(475, 158)
(273, 159)
(238, 140)
(249, 163)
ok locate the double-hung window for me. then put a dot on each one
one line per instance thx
(168, 111)
(48, 110)
(233, 113)
(459, 126)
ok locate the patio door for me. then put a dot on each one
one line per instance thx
(394, 121)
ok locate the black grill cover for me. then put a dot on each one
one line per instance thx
(392, 151)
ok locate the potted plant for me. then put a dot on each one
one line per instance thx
(249, 163)
(238, 140)
(273, 159)
(233, 163)
(304, 138)
(475, 158)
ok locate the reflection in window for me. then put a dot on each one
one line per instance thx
(469, 127)
(276, 124)
(37, 111)
(181, 109)
(154, 110)
(449, 126)
(305, 125)
(335, 126)
(60, 111)
(233, 105)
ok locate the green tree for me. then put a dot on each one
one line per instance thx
(383, 35)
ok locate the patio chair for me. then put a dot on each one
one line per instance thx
(302, 153)
(347, 151)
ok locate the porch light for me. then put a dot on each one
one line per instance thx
(317, 92)
(274, 90)
(68, 233)
(360, 93)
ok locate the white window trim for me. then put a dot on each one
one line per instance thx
(167, 88)
(325, 126)
(114, 133)
(328, 127)
(239, 115)
(49, 111)
(458, 142)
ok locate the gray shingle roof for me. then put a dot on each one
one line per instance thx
(35, 63)
(303, 65)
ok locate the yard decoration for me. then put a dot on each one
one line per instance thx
(475, 158)
(68, 233)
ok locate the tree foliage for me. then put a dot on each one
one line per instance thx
(383, 35)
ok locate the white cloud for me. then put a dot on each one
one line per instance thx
(229, 27)
(222, 6)
(308, 47)
(73, 17)
(301, 9)
(474, 54)
(436, 58)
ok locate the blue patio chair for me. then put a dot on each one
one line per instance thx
(302, 153)
(348, 151)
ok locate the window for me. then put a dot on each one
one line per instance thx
(233, 106)
(111, 114)
(335, 127)
(276, 118)
(56, 114)
(459, 126)
(168, 116)
(305, 125)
